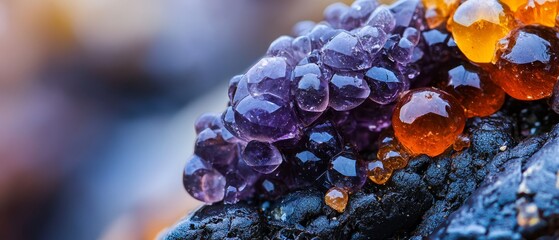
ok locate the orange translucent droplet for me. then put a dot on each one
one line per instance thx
(437, 11)
(378, 172)
(527, 63)
(513, 4)
(427, 121)
(542, 12)
(462, 142)
(391, 152)
(477, 26)
(336, 198)
(473, 88)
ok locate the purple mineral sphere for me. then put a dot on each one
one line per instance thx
(345, 53)
(347, 91)
(346, 171)
(302, 47)
(334, 12)
(266, 118)
(202, 181)
(236, 188)
(303, 27)
(372, 38)
(383, 19)
(281, 47)
(271, 75)
(211, 146)
(385, 84)
(307, 118)
(357, 14)
(322, 34)
(207, 120)
(311, 88)
(403, 51)
(262, 157)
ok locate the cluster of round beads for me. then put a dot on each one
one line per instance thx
(332, 106)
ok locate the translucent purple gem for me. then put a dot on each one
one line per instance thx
(412, 35)
(271, 75)
(233, 84)
(281, 47)
(262, 157)
(236, 188)
(372, 38)
(312, 165)
(408, 14)
(385, 84)
(207, 120)
(346, 171)
(301, 47)
(344, 52)
(334, 12)
(266, 118)
(347, 91)
(211, 146)
(323, 140)
(382, 18)
(230, 130)
(357, 14)
(303, 28)
(311, 88)
(202, 181)
(307, 118)
(322, 34)
(241, 91)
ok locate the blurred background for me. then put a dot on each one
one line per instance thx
(98, 100)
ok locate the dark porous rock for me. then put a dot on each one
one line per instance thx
(504, 186)
(518, 201)
(220, 221)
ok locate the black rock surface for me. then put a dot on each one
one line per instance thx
(495, 189)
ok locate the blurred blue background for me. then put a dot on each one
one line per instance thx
(98, 100)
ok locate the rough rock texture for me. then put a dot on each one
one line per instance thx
(495, 189)
(519, 200)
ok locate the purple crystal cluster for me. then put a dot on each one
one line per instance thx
(312, 106)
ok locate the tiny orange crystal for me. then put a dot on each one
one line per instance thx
(463, 141)
(528, 63)
(428, 121)
(474, 89)
(378, 172)
(391, 152)
(336, 198)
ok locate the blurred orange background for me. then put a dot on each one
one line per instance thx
(98, 100)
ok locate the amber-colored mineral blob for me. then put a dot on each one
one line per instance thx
(378, 172)
(473, 88)
(437, 11)
(514, 4)
(477, 25)
(392, 154)
(462, 141)
(542, 12)
(528, 63)
(336, 198)
(427, 121)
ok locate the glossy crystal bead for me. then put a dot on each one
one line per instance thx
(418, 119)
